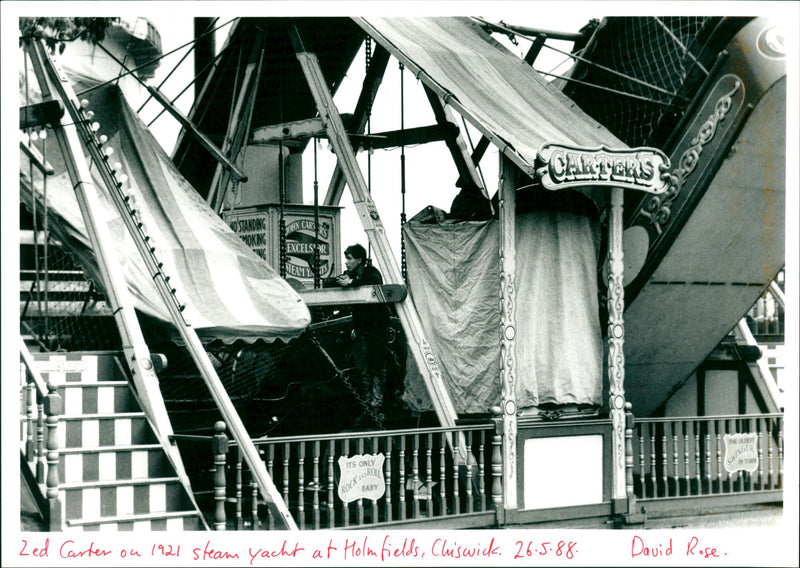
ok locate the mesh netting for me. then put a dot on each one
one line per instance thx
(304, 386)
(60, 309)
(650, 59)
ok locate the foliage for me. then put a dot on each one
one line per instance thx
(57, 31)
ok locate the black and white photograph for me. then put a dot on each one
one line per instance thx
(400, 283)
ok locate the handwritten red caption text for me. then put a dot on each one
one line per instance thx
(380, 549)
(692, 548)
(560, 549)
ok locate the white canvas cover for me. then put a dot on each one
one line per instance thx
(230, 293)
(504, 97)
(454, 279)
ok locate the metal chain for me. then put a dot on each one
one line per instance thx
(353, 390)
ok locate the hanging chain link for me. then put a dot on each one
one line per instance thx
(368, 408)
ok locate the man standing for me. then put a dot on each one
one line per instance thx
(370, 325)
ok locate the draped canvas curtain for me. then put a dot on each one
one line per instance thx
(454, 280)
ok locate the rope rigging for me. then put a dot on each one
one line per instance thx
(175, 68)
(577, 57)
(152, 61)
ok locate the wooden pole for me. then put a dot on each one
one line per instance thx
(508, 309)
(370, 219)
(215, 194)
(616, 339)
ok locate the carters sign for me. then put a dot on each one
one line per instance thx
(642, 169)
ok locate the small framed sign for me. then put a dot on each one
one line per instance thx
(741, 452)
(362, 477)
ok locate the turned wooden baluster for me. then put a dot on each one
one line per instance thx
(316, 484)
(730, 473)
(497, 462)
(301, 503)
(30, 445)
(629, 450)
(443, 472)
(220, 450)
(429, 474)
(271, 472)
(53, 408)
(698, 478)
(238, 486)
(375, 501)
(761, 464)
(640, 434)
(41, 454)
(686, 461)
(664, 459)
(331, 502)
(346, 506)
(254, 506)
(360, 502)
(719, 455)
(653, 481)
(402, 480)
(415, 477)
(770, 455)
(675, 453)
(707, 438)
(469, 473)
(482, 469)
(387, 468)
(456, 496)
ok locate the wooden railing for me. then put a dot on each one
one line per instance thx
(40, 408)
(687, 457)
(419, 480)
(766, 318)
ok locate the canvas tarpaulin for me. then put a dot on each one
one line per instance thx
(454, 279)
(504, 97)
(230, 293)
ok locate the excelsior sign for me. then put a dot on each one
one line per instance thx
(642, 169)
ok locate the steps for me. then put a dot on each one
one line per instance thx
(113, 473)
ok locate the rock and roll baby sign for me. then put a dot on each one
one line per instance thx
(362, 477)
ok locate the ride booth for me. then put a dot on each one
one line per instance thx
(558, 452)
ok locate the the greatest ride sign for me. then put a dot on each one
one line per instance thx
(641, 169)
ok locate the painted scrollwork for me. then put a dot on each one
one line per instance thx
(658, 208)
